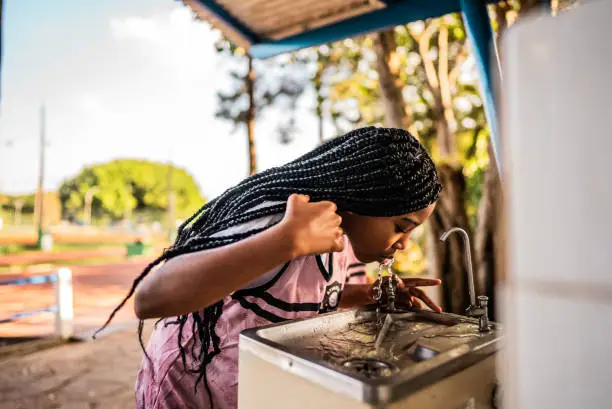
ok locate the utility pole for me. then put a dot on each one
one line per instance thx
(41, 178)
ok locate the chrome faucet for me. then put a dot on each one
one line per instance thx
(391, 286)
(479, 310)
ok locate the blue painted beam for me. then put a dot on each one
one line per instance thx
(480, 32)
(396, 13)
(236, 25)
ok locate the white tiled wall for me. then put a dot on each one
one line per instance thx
(558, 184)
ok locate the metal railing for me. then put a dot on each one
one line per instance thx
(63, 307)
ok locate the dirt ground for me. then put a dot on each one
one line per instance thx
(85, 375)
(82, 375)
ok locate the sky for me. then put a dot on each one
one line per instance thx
(121, 79)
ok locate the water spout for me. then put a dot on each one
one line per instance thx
(468, 258)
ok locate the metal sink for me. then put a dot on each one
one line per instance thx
(364, 358)
(354, 353)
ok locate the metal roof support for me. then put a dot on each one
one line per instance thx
(480, 32)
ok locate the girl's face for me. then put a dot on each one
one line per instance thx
(377, 238)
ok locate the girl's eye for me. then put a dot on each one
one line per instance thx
(399, 230)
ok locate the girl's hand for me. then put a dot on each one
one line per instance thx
(313, 228)
(409, 294)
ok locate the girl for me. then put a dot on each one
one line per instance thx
(275, 247)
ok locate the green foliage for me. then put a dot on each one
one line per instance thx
(351, 76)
(26, 201)
(345, 77)
(122, 186)
(24, 205)
(476, 162)
(350, 83)
(8, 249)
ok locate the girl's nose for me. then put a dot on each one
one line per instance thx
(402, 243)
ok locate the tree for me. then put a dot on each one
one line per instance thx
(263, 85)
(17, 205)
(317, 82)
(128, 185)
(409, 78)
(388, 66)
(487, 240)
(441, 48)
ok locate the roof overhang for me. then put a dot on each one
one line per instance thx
(266, 28)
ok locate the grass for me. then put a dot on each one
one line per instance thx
(19, 268)
(58, 247)
(65, 247)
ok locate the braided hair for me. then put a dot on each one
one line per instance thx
(369, 171)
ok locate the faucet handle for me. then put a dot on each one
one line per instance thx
(483, 302)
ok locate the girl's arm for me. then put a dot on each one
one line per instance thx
(194, 281)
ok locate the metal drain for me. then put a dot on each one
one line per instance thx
(370, 367)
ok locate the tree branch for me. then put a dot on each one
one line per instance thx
(443, 75)
(423, 41)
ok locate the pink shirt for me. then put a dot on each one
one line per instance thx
(356, 269)
(304, 287)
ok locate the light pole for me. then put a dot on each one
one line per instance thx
(88, 201)
(41, 177)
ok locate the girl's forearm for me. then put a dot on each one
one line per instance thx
(194, 281)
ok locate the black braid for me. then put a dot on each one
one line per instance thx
(369, 171)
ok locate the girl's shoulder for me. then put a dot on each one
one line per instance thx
(253, 224)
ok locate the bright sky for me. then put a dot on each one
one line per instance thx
(121, 79)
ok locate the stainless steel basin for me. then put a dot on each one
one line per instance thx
(345, 352)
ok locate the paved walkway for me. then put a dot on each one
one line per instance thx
(88, 375)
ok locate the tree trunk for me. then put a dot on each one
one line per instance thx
(250, 118)
(387, 66)
(317, 82)
(487, 237)
(444, 136)
(448, 258)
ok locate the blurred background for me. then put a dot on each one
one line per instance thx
(120, 119)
